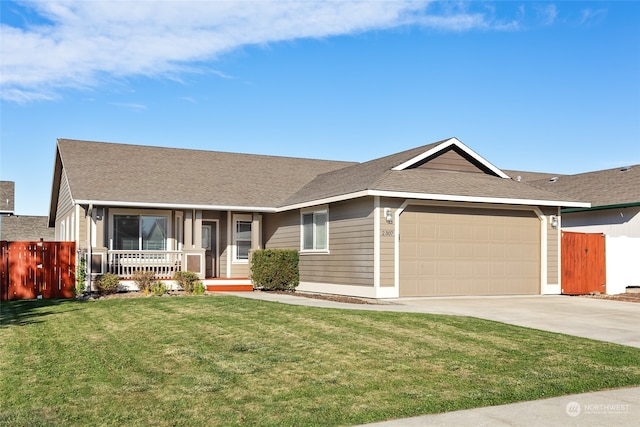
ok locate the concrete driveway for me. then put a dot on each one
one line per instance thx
(605, 320)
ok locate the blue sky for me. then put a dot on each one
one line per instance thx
(539, 86)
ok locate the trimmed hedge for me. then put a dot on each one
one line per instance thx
(275, 269)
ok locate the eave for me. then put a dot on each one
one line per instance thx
(121, 204)
(436, 197)
(599, 208)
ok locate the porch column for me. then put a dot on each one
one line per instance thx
(188, 229)
(197, 230)
(256, 232)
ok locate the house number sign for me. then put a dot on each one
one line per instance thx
(387, 233)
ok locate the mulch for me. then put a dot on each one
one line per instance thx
(627, 297)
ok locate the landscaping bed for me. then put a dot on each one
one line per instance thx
(627, 297)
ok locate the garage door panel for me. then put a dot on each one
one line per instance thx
(468, 252)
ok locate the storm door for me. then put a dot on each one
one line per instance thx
(209, 243)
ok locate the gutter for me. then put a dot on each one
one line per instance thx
(176, 206)
(599, 208)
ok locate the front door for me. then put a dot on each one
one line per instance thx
(209, 237)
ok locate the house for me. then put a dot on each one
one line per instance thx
(434, 220)
(26, 228)
(7, 197)
(20, 227)
(614, 195)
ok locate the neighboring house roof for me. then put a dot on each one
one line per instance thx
(25, 228)
(7, 197)
(134, 175)
(605, 188)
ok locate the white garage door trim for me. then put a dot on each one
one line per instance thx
(534, 209)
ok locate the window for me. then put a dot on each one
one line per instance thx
(140, 232)
(243, 239)
(314, 231)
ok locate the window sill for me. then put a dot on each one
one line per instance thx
(314, 251)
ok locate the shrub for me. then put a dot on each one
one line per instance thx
(81, 276)
(198, 288)
(107, 283)
(144, 280)
(186, 280)
(158, 288)
(275, 269)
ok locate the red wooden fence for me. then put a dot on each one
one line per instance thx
(37, 270)
(583, 263)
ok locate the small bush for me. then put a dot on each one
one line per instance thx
(81, 276)
(186, 279)
(107, 283)
(144, 280)
(275, 269)
(198, 288)
(158, 288)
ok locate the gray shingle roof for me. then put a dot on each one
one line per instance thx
(25, 228)
(463, 184)
(7, 196)
(601, 188)
(358, 177)
(108, 172)
(144, 174)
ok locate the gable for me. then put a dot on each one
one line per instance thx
(451, 155)
(452, 158)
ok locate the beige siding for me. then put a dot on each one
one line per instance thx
(350, 257)
(553, 237)
(452, 160)
(387, 243)
(65, 203)
(282, 230)
(82, 226)
(350, 261)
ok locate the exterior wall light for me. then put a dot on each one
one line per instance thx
(388, 215)
(554, 221)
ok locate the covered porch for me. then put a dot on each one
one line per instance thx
(213, 244)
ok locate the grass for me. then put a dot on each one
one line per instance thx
(221, 360)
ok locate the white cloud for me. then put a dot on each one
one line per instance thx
(130, 106)
(548, 14)
(80, 43)
(591, 16)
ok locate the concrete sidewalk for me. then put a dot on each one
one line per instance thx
(620, 408)
(605, 320)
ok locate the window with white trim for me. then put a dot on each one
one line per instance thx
(140, 232)
(242, 238)
(315, 236)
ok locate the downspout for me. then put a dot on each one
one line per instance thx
(89, 216)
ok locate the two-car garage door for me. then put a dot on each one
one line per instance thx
(460, 251)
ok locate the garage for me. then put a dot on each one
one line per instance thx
(447, 251)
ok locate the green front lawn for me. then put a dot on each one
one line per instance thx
(222, 360)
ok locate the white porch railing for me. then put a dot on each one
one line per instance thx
(162, 263)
